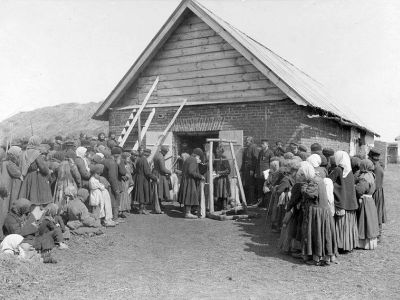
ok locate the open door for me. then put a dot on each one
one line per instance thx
(151, 140)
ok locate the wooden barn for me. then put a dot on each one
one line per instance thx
(235, 87)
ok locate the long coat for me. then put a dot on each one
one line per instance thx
(142, 178)
(161, 172)
(36, 186)
(11, 177)
(249, 164)
(221, 183)
(190, 184)
(112, 172)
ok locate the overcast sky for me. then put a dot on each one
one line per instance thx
(55, 52)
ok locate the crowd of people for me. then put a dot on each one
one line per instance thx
(322, 203)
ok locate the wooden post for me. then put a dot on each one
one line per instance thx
(146, 126)
(210, 179)
(202, 210)
(238, 176)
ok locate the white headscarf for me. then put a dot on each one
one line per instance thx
(314, 160)
(342, 159)
(10, 243)
(307, 169)
(100, 154)
(80, 152)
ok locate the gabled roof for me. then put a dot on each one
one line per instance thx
(297, 85)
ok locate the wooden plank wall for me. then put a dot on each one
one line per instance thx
(197, 64)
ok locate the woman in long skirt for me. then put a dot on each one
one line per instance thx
(36, 186)
(346, 204)
(368, 227)
(319, 245)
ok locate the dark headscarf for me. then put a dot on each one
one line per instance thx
(21, 206)
(366, 165)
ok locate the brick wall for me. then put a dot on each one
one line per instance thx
(275, 120)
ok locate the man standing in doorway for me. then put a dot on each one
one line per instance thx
(248, 169)
(263, 164)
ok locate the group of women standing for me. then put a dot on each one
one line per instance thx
(327, 204)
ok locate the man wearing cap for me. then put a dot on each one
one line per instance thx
(189, 191)
(248, 169)
(263, 164)
(279, 151)
(316, 148)
(294, 148)
(142, 180)
(114, 174)
(162, 173)
(378, 195)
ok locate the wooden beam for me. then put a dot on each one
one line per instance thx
(192, 35)
(146, 126)
(185, 59)
(220, 141)
(193, 43)
(212, 102)
(129, 129)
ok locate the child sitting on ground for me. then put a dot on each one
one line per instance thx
(99, 196)
(80, 221)
(51, 222)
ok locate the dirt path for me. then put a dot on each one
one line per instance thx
(172, 258)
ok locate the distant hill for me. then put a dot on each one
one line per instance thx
(68, 119)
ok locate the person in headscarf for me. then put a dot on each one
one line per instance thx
(11, 176)
(64, 179)
(282, 193)
(35, 186)
(50, 226)
(355, 164)
(83, 166)
(126, 183)
(346, 204)
(221, 181)
(80, 221)
(100, 200)
(10, 244)
(368, 227)
(189, 191)
(101, 140)
(315, 161)
(378, 195)
(319, 245)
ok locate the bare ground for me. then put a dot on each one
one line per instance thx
(172, 258)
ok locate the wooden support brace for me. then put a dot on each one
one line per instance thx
(146, 126)
(132, 124)
(220, 141)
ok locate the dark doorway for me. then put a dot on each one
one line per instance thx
(192, 140)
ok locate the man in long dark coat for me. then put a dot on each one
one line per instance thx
(142, 181)
(248, 169)
(378, 195)
(189, 191)
(114, 176)
(263, 164)
(162, 173)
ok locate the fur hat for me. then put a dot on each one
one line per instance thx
(316, 147)
(116, 151)
(97, 169)
(328, 152)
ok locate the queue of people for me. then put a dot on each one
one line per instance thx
(321, 202)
